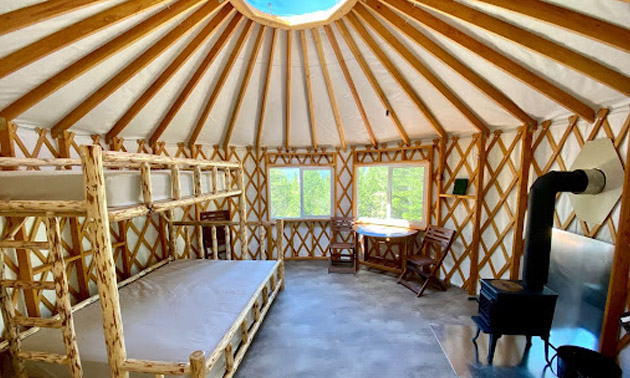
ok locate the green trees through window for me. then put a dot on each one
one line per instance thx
(300, 192)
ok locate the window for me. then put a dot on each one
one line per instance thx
(300, 192)
(392, 193)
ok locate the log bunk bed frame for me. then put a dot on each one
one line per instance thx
(92, 162)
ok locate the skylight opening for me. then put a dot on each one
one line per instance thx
(294, 14)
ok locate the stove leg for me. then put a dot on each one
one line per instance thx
(546, 340)
(493, 345)
(474, 339)
(529, 341)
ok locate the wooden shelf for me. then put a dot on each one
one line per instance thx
(471, 197)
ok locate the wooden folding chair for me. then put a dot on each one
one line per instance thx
(422, 264)
(342, 239)
(215, 216)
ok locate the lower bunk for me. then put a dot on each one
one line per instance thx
(214, 306)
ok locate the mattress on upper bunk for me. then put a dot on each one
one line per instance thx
(185, 306)
(124, 188)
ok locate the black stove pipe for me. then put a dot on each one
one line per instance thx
(542, 202)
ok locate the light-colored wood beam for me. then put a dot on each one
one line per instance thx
(591, 27)
(329, 89)
(545, 47)
(346, 74)
(133, 68)
(265, 90)
(55, 41)
(244, 84)
(287, 103)
(396, 74)
(90, 60)
(372, 79)
(220, 82)
(195, 78)
(309, 89)
(521, 201)
(23, 17)
(415, 62)
(168, 73)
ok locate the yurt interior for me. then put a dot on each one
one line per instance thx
(315, 188)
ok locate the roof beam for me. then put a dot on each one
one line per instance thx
(346, 74)
(243, 89)
(90, 60)
(133, 68)
(195, 78)
(23, 17)
(545, 47)
(53, 42)
(309, 90)
(506, 64)
(372, 79)
(396, 74)
(331, 93)
(168, 73)
(220, 82)
(591, 27)
(421, 68)
(287, 114)
(265, 90)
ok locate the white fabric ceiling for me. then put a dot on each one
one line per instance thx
(101, 118)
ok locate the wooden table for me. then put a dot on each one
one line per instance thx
(389, 236)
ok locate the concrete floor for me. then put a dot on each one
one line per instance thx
(338, 325)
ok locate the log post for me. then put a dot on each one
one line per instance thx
(198, 229)
(8, 313)
(242, 202)
(172, 234)
(228, 243)
(198, 364)
(147, 187)
(521, 201)
(215, 243)
(92, 160)
(279, 239)
(476, 240)
(440, 179)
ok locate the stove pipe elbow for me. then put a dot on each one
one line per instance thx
(541, 206)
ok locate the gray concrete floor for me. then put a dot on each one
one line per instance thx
(338, 325)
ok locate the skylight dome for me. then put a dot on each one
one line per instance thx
(291, 14)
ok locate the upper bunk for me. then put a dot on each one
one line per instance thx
(132, 184)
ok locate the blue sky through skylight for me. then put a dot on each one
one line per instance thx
(287, 8)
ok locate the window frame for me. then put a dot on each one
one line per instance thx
(302, 168)
(426, 193)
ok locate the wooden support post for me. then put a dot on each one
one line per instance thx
(269, 236)
(63, 297)
(618, 284)
(8, 313)
(521, 201)
(244, 333)
(476, 241)
(92, 159)
(215, 244)
(256, 311)
(198, 229)
(147, 189)
(228, 243)
(229, 358)
(198, 364)
(123, 227)
(215, 176)
(279, 238)
(175, 183)
(226, 178)
(7, 145)
(242, 207)
(172, 235)
(439, 180)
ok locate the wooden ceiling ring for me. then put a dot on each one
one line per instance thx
(131, 69)
(195, 78)
(90, 60)
(415, 62)
(265, 90)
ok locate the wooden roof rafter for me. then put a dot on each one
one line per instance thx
(543, 46)
(346, 73)
(81, 29)
(372, 80)
(415, 62)
(90, 60)
(396, 74)
(243, 88)
(240, 43)
(221, 17)
(265, 90)
(591, 27)
(135, 66)
(287, 103)
(508, 65)
(329, 89)
(309, 89)
(195, 78)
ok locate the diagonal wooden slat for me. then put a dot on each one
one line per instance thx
(309, 90)
(195, 78)
(265, 90)
(134, 67)
(168, 73)
(227, 68)
(53, 42)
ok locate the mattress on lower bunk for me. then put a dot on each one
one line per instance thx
(185, 306)
(124, 188)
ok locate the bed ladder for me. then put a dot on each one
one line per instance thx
(62, 321)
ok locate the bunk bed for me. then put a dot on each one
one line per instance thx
(180, 317)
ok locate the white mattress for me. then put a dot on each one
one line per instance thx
(124, 188)
(184, 306)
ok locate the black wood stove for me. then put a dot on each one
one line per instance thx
(515, 307)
